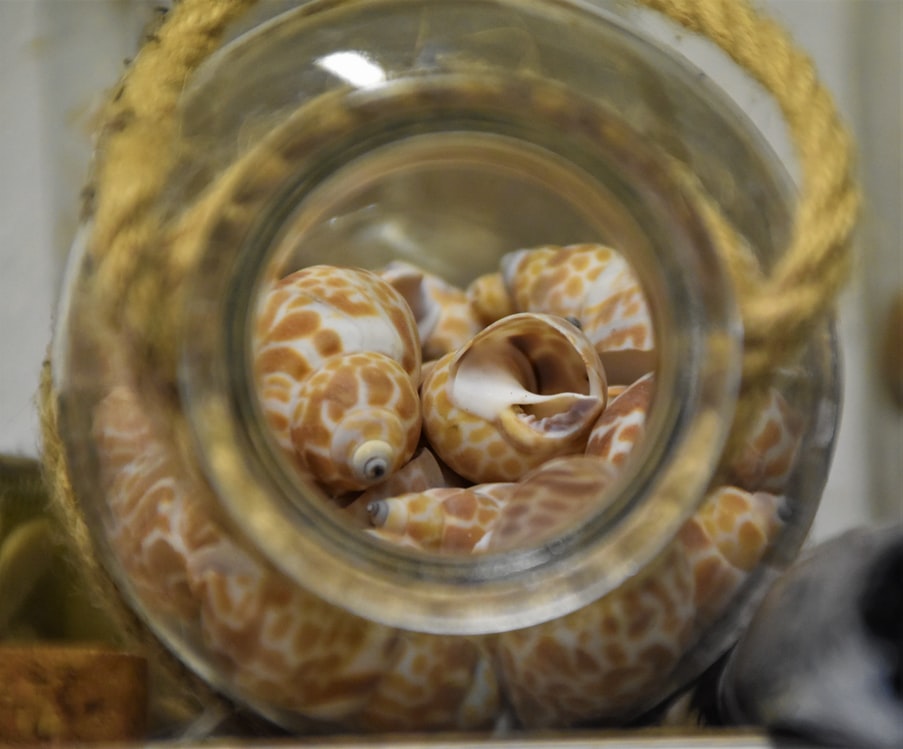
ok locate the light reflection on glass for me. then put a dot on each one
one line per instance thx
(352, 67)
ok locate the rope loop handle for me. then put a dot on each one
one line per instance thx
(780, 312)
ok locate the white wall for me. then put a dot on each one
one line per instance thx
(57, 56)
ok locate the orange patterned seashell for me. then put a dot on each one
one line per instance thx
(550, 500)
(602, 661)
(420, 473)
(595, 285)
(725, 540)
(435, 682)
(525, 389)
(268, 635)
(152, 514)
(357, 421)
(489, 298)
(769, 452)
(622, 424)
(337, 361)
(449, 519)
(275, 636)
(445, 319)
(615, 390)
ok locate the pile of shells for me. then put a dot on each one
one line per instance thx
(445, 418)
(468, 420)
(450, 420)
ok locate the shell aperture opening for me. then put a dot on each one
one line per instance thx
(510, 379)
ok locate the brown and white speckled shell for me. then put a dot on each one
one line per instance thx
(450, 519)
(595, 285)
(153, 518)
(443, 313)
(275, 638)
(769, 452)
(270, 638)
(420, 473)
(523, 390)
(489, 298)
(725, 540)
(434, 682)
(601, 661)
(357, 420)
(274, 644)
(550, 500)
(331, 345)
(623, 423)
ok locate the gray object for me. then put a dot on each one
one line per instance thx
(823, 656)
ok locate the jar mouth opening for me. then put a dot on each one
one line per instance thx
(362, 162)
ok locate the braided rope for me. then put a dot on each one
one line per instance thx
(781, 312)
(133, 161)
(135, 154)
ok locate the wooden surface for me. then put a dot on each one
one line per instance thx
(71, 693)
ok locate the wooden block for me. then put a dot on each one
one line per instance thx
(71, 693)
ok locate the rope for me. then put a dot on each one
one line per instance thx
(781, 312)
(136, 154)
(132, 163)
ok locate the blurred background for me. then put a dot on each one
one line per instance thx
(58, 57)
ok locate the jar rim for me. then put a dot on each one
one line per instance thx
(477, 595)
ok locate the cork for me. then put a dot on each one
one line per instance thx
(71, 693)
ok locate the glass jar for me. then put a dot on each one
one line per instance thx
(446, 136)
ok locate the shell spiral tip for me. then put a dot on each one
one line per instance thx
(378, 512)
(372, 461)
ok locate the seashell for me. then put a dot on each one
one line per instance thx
(427, 367)
(357, 421)
(337, 361)
(606, 661)
(549, 500)
(615, 390)
(452, 519)
(725, 540)
(821, 658)
(276, 636)
(768, 454)
(596, 286)
(153, 514)
(444, 317)
(523, 390)
(270, 636)
(622, 424)
(634, 636)
(420, 473)
(489, 298)
(435, 683)
(396, 539)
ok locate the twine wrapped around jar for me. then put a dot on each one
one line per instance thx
(780, 309)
